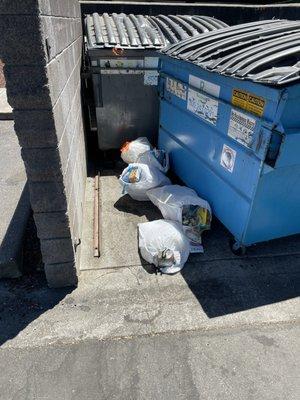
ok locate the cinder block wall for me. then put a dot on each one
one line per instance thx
(2, 79)
(42, 56)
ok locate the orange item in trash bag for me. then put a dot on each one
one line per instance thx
(125, 147)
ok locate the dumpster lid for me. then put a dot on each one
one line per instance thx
(266, 51)
(144, 32)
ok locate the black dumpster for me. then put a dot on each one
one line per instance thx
(123, 61)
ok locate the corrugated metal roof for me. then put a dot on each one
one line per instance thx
(265, 51)
(141, 32)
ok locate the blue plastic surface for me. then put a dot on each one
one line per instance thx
(246, 164)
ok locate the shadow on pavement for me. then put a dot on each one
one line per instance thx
(127, 205)
(222, 282)
(23, 300)
(225, 284)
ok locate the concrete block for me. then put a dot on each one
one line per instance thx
(65, 118)
(76, 228)
(59, 8)
(60, 33)
(59, 74)
(64, 71)
(65, 152)
(23, 44)
(37, 128)
(70, 178)
(43, 61)
(61, 275)
(57, 250)
(27, 87)
(47, 196)
(83, 157)
(79, 199)
(70, 8)
(45, 7)
(42, 164)
(2, 79)
(71, 214)
(76, 200)
(52, 225)
(19, 7)
(69, 145)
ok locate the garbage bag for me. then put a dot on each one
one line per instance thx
(182, 204)
(137, 179)
(130, 151)
(164, 244)
(156, 158)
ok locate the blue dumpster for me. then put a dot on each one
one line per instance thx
(230, 120)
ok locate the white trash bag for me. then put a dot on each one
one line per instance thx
(164, 244)
(182, 204)
(130, 151)
(137, 179)
(156, 158)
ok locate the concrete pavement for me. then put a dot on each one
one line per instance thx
(224, 328)
(14, 200)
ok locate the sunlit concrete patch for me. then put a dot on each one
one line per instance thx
(128, 302)
(118, 219)
(5, 108)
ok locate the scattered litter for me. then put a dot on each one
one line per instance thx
(137, 179)
(131, 151)
(156, 158)
(164, 244)
(182, 204)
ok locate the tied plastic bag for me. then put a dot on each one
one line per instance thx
(182, 204)
(164, 244)
(156, 158)
(131, 151)
(137, 179)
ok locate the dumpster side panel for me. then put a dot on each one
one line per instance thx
(276, 208)
(289, 152)
(207, 144)
(129, 109)
(269, 95)
(289, 114)
(196, 150)
(214, 147)
(227, 204)
(238, 146)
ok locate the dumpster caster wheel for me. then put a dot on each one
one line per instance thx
(237, 248)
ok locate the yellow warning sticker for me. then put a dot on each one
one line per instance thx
(248, 101)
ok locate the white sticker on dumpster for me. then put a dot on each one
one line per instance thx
(177, 88)
(241, 128)
(205, 86)
(151, 78)
(228, 157)
(151, 62)
(203, 106)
